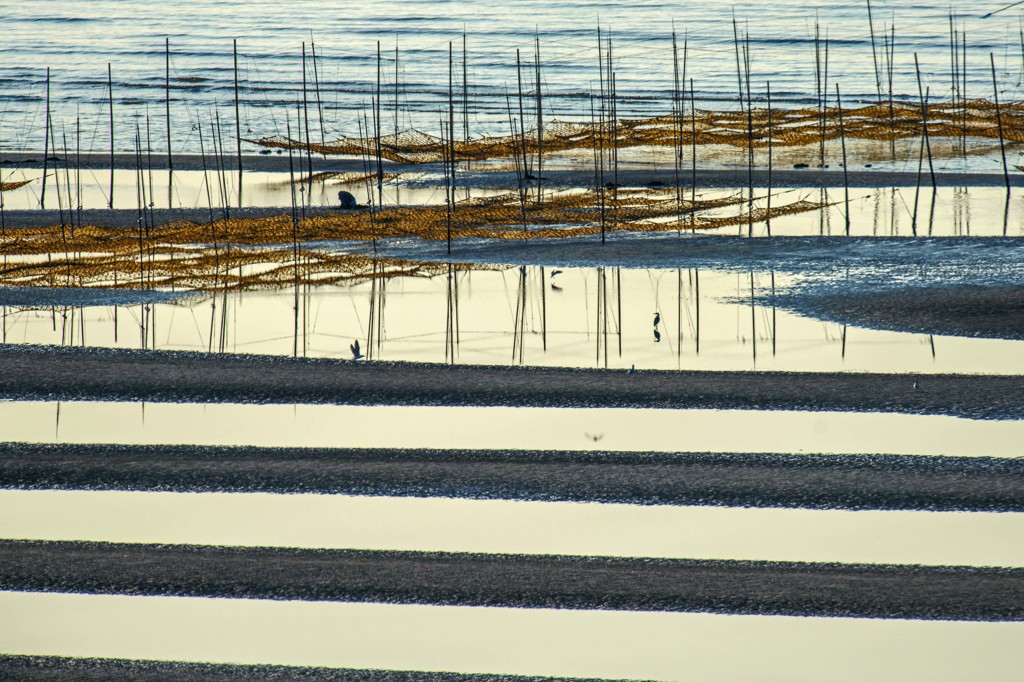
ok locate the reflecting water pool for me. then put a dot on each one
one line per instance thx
(604, 644)
(578, 317)
(496, 526)
(520, 428)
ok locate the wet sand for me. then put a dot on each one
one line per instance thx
(54, 667)
(720, 479)
(521, 581)
(493, 174)
(54, 373)
(984, 312)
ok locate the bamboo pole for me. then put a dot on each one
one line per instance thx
(846, 176)
(110, 95)
(238, 121)
(924, 123)
(46, 141)
(540, 123)
(376, 130)
(451, 132)
(874, 54)
(167, 117)
(999, 122)
(768, 216)
(305, 117)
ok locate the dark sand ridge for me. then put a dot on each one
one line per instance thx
(53, 373)
(985, 312)
(634, 175)
(57, 667)
(740, 479)
(513, 580)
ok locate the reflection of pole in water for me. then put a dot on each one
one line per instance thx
(519, 325)
(618, 294)
(543, 310)
(371, 327)
(601, 321)
(449, 335)
(679, 314)
(696, 281)
(604, 314)
(1006, 215)
(753, 318)
(931, 214)
(773, 312)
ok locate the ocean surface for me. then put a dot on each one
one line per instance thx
(76, 41)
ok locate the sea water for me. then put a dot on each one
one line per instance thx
(189, 47)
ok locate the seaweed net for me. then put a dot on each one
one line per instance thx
(8, 186)
(789, 128)
(213, 269)
(189, 255)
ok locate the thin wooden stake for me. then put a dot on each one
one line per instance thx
(110, 94)
(874, 54)
(46, 141)
(238, 122)
(846, 176)
(768, 215)
(540, 124)
(924, 123)
(999, 122)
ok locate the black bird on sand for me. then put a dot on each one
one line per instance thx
(354, 347)
(657, 319)
(347, 201)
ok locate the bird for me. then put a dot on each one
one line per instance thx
(657, 319)
(657, 336)
(347, 201)
(917, 384)
(556, 272)
(594, 437)
(354, 347)
(631, 370)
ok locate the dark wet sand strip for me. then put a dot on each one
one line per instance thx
(52, 373)
(722, 479)
(32, 163)
(746, 587)
(995, 312)
(59, 667)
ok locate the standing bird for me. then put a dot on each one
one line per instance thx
(657, 319)
(657, 336)
(354, 347)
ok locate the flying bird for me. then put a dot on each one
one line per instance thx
(593, 437)
(354, 347)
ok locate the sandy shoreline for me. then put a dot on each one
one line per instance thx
(522, 581)
(53, 373)
(721, 479)
(52, 667)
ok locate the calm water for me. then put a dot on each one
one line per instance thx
(605, 644)
(77, 40)
(706, 321)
